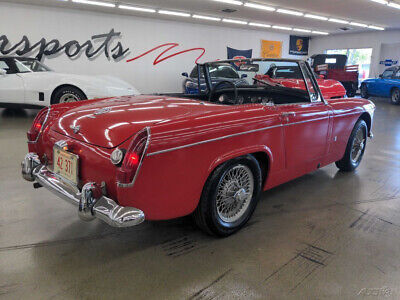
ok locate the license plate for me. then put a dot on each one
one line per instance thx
(66, 164)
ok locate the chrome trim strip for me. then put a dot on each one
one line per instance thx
(41, 129)
(347, 114)
(306, 121)
(233, 135)
(146, 147)
(213, 140)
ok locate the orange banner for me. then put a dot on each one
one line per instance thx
(271, 49)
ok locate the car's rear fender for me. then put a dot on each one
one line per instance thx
(262, 153)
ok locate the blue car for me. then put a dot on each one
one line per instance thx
(221, 76)
(387, 85)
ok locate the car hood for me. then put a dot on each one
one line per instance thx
(106, 85)
(110, 122)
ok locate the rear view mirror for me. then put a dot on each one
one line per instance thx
(249, 67)
(184, 74)
(3, 72)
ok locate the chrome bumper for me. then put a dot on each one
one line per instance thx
(89, 207)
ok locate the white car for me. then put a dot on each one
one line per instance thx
(29, 83)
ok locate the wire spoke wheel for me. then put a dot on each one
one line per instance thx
(234, 193)
(67, 98)
(396, 96)
(358, 146)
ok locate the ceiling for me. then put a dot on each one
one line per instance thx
(362, 11)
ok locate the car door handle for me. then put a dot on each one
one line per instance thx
(289, 114)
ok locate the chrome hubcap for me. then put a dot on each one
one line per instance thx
(396, 96)
(358, 146)
(234, 193)
(66, 98)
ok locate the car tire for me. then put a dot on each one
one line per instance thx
(352, 91)
(395, 97)
(67, 94)
(355, 148)
(229, 196)
(364, 91)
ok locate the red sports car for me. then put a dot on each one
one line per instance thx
(158, 157)
(290, 77)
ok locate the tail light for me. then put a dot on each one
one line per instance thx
(38, 125)
(126, 174)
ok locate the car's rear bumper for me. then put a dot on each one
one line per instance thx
(90, 207)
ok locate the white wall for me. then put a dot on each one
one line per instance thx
(139, 34)
(372, 40)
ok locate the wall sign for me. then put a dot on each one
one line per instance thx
(271, 49)
(299, 45)
(389, 62)
(238, 54)
(72, 48)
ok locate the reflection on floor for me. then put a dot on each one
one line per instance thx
(325, 235)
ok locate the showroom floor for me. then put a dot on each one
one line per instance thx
(325, 235)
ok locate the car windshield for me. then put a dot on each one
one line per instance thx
(26, 65)
(268, 80)
(219, 71)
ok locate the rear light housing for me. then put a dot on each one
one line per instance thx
(38, 125)
(133, 159)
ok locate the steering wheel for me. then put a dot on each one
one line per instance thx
(212, 92)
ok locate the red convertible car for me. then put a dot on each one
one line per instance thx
(156, 157)
(290, 77)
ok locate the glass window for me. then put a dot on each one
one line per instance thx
(337, 51)
(397, 75)
(361, 57)
(224, 71)
(388, 74)
(4, 65)
(21, 68)
(33, 65)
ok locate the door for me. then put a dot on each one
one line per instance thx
(381, 85)
(306, 130)
(11, 84)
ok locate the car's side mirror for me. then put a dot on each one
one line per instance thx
(320, 77)
(381, 76)
(3, 72)
(243, 76)
(184, 74)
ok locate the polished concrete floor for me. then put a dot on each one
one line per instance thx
(327, 235)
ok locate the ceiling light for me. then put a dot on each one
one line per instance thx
(234, 2)
(281, 27)
(90, 2)
(358, 24)
(338, 21)
(316, 17)
(376, 27)
(380, 1)
(149, 10)
(234, 21)
(259, 6)
(289, 12)
(394, 5)
(173, 13)
(301, 30)
(260, 25)
(206, 18)
(320, 32)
